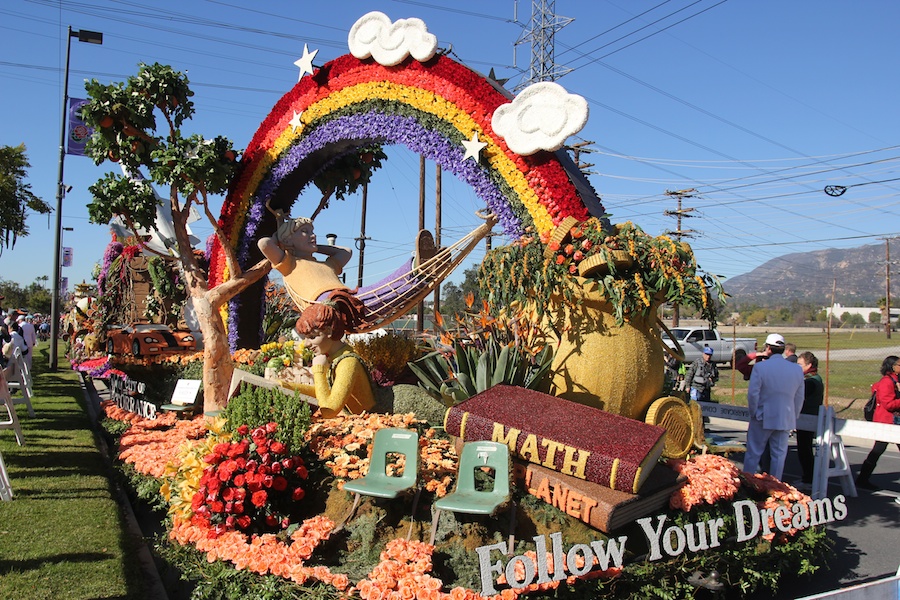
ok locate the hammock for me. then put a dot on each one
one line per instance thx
(394, 298)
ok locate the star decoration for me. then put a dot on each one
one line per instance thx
(305, 61)
(295, 122)
(473, 147)
(493, 77)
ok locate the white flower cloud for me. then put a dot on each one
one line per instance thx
(390, 43)
(541, 117)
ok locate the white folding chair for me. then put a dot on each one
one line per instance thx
(12, 419)
(6, 492)
(21, 380)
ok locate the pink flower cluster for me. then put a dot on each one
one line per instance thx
(711, 478)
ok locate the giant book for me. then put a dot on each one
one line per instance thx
(596, 505)
(567, 437)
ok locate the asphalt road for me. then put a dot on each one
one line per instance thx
(866, 543)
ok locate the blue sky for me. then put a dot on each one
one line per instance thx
(757, 105)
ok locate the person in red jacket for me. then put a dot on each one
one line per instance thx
(887, 408)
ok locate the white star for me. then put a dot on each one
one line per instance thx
(473, 147)
(296, 122)
(305, 61)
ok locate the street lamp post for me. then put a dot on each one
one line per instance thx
(91, 37)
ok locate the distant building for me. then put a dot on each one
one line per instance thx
(864, 311)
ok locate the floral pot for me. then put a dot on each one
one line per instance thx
(600, 364)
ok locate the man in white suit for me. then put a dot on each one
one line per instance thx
(775, 397)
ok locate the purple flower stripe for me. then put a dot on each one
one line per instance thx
(113, 250)
(391, 128)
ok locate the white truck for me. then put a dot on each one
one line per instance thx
(694, 339)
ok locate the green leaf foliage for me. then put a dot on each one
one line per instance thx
(138, 123)
(256, 406)
(16, 198)
(469, 370)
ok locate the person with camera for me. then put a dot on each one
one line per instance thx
(702, 376)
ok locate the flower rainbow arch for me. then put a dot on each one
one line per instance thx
(431, 107)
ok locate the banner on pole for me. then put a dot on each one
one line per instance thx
(79, 133)
(67, 257)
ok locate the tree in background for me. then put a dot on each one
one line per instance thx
(453, 296)
(16, 198)
(194, 168)
(34, 298)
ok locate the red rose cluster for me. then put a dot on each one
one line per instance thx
(250, 485)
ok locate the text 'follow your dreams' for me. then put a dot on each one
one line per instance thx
(580, 559)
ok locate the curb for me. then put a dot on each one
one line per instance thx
(153, 585)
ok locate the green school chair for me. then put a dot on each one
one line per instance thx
(377, 482)
(467, 498)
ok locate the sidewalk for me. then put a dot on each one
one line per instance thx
(866, 541)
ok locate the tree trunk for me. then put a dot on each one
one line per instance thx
(217, 365)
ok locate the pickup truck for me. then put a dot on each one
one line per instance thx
(694, 339)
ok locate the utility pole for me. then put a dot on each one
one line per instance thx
(680, 233)
(437, 229)
(579, 149)
(361, 240)
(420, 308)
(886, 319)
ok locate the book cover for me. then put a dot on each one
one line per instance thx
(567, 437)
(598, 506)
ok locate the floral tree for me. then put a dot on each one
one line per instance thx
(127, 130)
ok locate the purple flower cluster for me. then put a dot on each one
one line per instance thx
(113, 251)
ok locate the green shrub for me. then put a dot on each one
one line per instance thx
(256, 406)
(386, 356)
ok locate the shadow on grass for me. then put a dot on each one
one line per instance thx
(10, 566)
(61, 476)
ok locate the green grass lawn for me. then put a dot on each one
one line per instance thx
(62, 535)
(841, 339)
(848, 386)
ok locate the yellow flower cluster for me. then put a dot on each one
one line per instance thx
(182, 476)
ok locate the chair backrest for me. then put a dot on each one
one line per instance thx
(476, 455)
(399, 441)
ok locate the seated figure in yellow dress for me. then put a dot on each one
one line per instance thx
(340, 379)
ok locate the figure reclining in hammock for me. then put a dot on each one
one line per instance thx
(292, 251)
(308, 280)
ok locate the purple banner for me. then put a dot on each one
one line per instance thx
(79, 133)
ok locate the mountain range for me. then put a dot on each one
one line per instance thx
(856, 274)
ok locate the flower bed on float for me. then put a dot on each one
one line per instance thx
(202, 463)
(253, 499)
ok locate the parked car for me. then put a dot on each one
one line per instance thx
(145, 339)
(694, 339)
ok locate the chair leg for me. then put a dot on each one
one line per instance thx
(512, 529)
(349, 514)
(6, 492)
(13, 422)
(434, 524)
(412, 517)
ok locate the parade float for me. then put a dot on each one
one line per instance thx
(562, 365)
